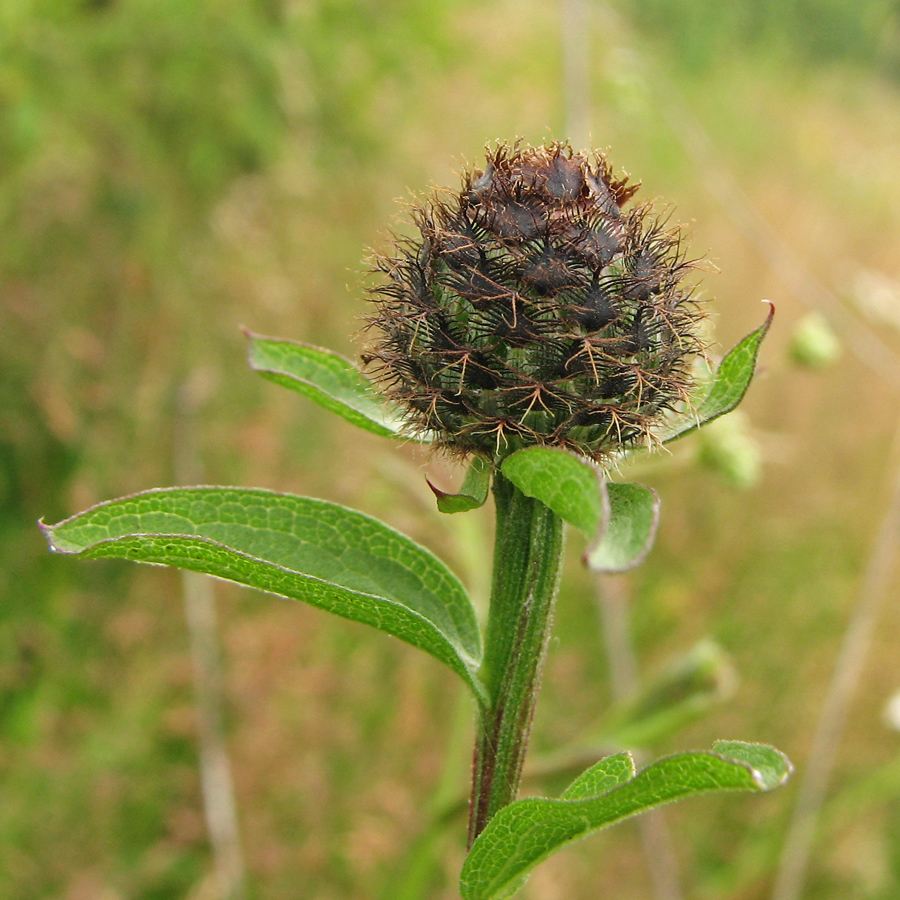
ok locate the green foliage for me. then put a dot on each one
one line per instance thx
(181, 96)
(528, 831)
(123, 126)
(619, 520)
(473, 492)
(601, 777)
(355, 54)
(328, 378)
(569, 484)
(728, 384)
(310, 550)
(814, 343)
(633, 517)
(703, 32)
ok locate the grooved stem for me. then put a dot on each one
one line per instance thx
(527, 557)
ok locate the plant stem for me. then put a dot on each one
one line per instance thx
(527, 558)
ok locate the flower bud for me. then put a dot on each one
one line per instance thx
(533, 308)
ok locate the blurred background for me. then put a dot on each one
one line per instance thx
(172, 170)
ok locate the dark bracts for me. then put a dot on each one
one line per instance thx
(532, 309)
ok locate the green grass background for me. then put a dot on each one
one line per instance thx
(171, 170)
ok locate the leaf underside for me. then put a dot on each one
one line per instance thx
(528, 831)
(633, 519)
(334, 558)
(473, 492)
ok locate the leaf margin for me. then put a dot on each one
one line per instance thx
(463, 660)
(473, 491)
(513, 877)
(754, 339)
(370, 412)
(598, 521)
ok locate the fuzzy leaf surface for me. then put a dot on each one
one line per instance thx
(729, 384)
(327, 555)
(326, 377)
(528, 831)
(619, 520)
(473, 492)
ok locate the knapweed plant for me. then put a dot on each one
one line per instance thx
(538, 326)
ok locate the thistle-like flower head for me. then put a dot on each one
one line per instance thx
(533, 308)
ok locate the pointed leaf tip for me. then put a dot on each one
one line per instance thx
(326, 555)
(528, 831)
(327, 378)
(473, 492)
(729, 383)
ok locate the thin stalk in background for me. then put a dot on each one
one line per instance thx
(527, 561)
(841, 691)
(576, 21)
(612, 603)
(724, 188)
(219, 805)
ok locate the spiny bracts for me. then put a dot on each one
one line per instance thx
(531, 309)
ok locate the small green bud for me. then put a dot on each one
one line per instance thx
(726, 448)
(814, 343)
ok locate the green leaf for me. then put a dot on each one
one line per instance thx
(572, 486)
(528, 831)
(331, 557)
(619, 520)
(329, 379)
(601, 777)
(729, 384)
(772, 766)
(633, 518)
(474, 490)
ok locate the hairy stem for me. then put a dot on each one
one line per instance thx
(527, 557)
